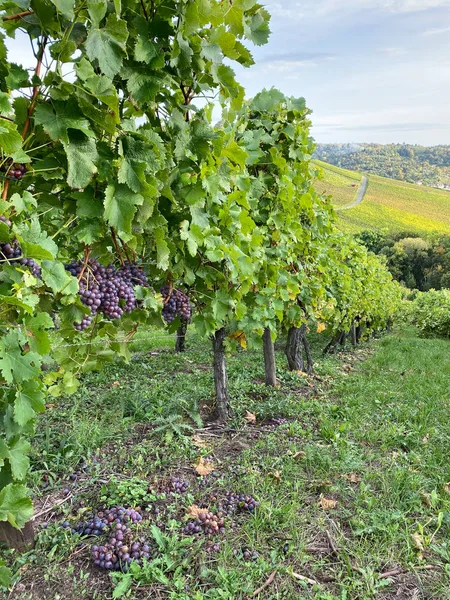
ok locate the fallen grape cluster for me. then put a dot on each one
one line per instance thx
(207, 523)
(120, 550)
(176, 303)
(106, 289)
(233, 503)
(11, 252)
(105, 519)
(178, 486)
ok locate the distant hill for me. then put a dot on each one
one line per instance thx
(427, 165)
(388, 205)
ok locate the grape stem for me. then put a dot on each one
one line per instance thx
(34, 96)
(170, 292)
(116, 244)
(132, 332)
(87, 252)
(125, 249)
(37, 73)
(25, 13)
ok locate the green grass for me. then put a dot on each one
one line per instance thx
(389, 205)
(343, 185)
(361, 460)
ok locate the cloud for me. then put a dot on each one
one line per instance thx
(436, 31)
(393, 51)
(319, 8)
(386, 126)
(286, 10)
(288, 62)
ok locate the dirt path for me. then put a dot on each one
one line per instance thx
(361, 193)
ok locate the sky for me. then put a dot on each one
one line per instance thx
(370, 70)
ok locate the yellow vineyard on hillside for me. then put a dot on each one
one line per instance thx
(388, 205)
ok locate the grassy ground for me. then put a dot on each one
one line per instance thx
(388, 205)
(350, 469)
(343, 185)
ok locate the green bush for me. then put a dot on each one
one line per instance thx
(430, 312)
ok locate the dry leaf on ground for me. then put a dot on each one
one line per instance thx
(276, 475)
(203, 467)
(417, 541)
(194, 511)
(352, 477)
(250, 417)
(198, 441)
(327, 503)
(299, 454)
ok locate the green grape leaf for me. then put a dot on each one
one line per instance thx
(55, 276)
(29, 401)
(17, 77)
(65, 7)
(10, 138)
(5, 104)
(258, 29)
(88, 206)
(15, 505)
(36, 243)
(97, 10)
(108, 45)
(16, 454)
(24, 203)
(16, 365)
(60, 116)
(38, 338)
(5, 575)
(120, 206)
(81, 153)
(144, 83)
(162, 250)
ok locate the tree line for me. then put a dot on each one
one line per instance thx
(429, 165)
(421, 263)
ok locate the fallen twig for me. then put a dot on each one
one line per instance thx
(303, 578)
(395, 572)
(47, 510)
(265, 584)
(333, 546)
(392, 573)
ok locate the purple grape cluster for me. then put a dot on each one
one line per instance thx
(233, 503)
(14, 170)
(35, 268)
(207, 523)
(178, 486)
(210, 548)
(176, 303)
(121, 515)
(107, 289)
(248, 554)
(120, 551)
(11, 252)
(95, 526)
(105, 519)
